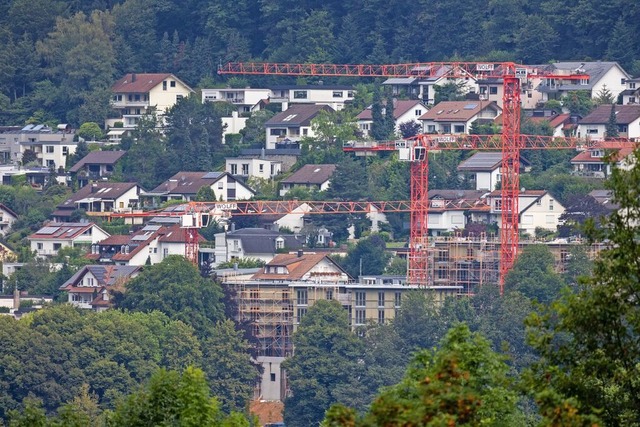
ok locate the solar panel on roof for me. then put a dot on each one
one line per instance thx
(151, 228)
(38, 127)
(28, 127)
(140, 237)
(470, 106)
(48, 230)
(212, 175)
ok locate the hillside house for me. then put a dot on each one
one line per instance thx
(185, 186)
(256, 243)
(312, 177)
(246, 100)
(484, 168)
(602, 75)
(90, 287)
(51, 146)
(248, 167)
(631, 94)
(594, 125)
(48, 240)
(403, 111)
(135, 94)
(334, 96)
(95, 166)
(449, 209)
(7, 218)
(288, 127)
(591, 162)
(457, 117)
(100, 197)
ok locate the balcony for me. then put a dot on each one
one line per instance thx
(130, 104)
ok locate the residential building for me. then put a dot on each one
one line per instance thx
(97, 165)
(7, 218)
(286, 156)
(602, 76)
(291, 218)
(334, 96)
(149, 245)
(592, 161)
(404, 111)
(90, 287)
(562, 125)
(136, 94)
(631, 94)
(255, 243)
(185, 186)
(253, 167)
(594, 125)
(457, 117)
(48, 240)
(246, 99)
(50, 146)
(312, 177)
(291, 125)
(485, 169)
(449, 209)
(537, 209)
(100, 197)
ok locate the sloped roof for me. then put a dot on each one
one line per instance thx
(625, 114)
(448, 111)
(191, 182)
(595, 69)
(98, 190)
(485, 161)
(297, 115)
(106, 275)
(62, 230)
(297, 266)
(311, 174)
(400, 107)
(585, 156)
(554, 121)
(98, 158)
(140, 240)
(262, 241)
(8, 210)
(142, 82)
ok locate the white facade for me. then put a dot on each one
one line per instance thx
(253, 168)
(245, 99)
(285, 187)
(279, 133)
(49, 246)
(631, 94)
(448, 220)
(7, 219)
(598, 131)
(233, 124)
(335, 97)
(536, 211)
(488, 180)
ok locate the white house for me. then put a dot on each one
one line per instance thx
(334, 96)
(591, 162)
(253, 167)
(95, 166)
(100, 197)
(631, 95)
(7, 218)
(538, 209)
(136, 93)
(257, 243)
(403, 111)
(185, 186)
(292, 125)
(90, 286)
(313, 177)
(457, 117)
(485, 169)
(149, 245)
(245, 99)
(448, 209)
(48, 240)
(602, 75)
(594, 125)
(50, 146)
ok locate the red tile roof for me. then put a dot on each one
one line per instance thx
(61, 230)
(297, 266)
(139, 82)
(585, 156)
(447, 111)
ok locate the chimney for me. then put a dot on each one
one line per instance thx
(94, 187)
(16, 299)
(262, 153)
(233, 226)
(133, 77)
(300, 253)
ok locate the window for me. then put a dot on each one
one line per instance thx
(550, 204)
(299, 94)
(493, 90)
(381, 316)
(632, 100)
(300, 314)
(164, 87)
(380, 299)
(236, 245)
(302, 296)
(65, 151)
(623, 81)
(458, 129)
(337, 94)
(431, 128)
(329, 294)
(350, 94)
(398, 299)
(305, 131)
(442, 272)
(279, 243)
(539, 202)
(179, 97)
(50, 164)
(136, 97)
(550, 219)
(173, 83)
(498, 205)
(40, 246)
(220, 185)
(57, 246)
(418, 112)
(360, 317)
(49, 149)
(277, 132)
(361, 298)
(245, 169)
(234, 169)
(272, 376)
(632, 85)
(446, 128)
(117, 97)
(623, 128)
(592, 131)
(261, 167)
(443, 255)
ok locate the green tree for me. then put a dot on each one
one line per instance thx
(462, 383)
(367, 257)
(533, 274)
(326, 356)
(89, 131)
(451, 91)
(205, 194)
(254, 133)
(604, 96)
(334, 127)
(611, 129)
(589, 341)
(578, 102)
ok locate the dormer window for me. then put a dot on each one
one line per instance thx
(597, 153)
(279, 243)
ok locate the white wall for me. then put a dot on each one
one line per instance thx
(271, 390)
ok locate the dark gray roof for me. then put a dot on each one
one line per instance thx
(484, 161)
(262, 241)
(297, 115)
(625, 114)
(106, 275)
(98, 190)
(595, 69)
(311, 174)
(98, 158)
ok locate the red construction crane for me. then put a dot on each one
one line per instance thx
(510, 142)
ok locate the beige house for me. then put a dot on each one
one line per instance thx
(457, 117)
(135, 94)
(7, 218)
